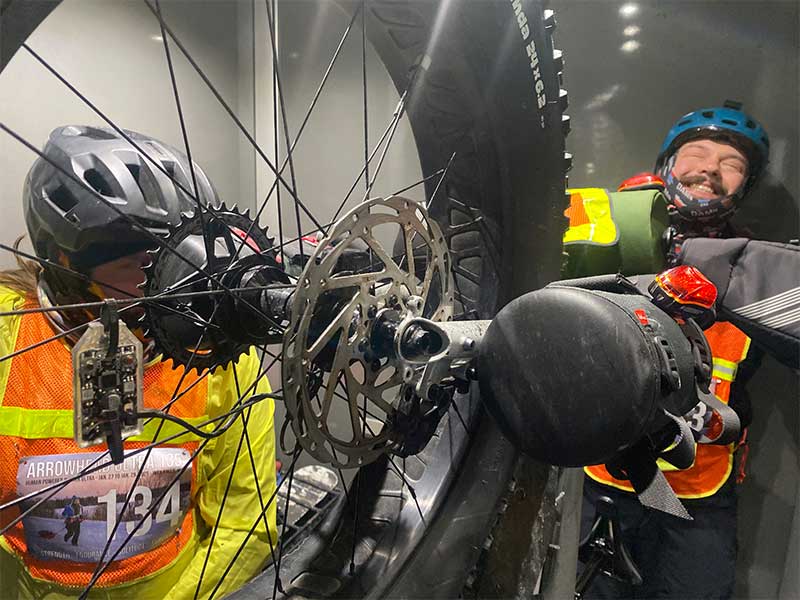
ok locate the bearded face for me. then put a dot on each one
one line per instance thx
(708, 169)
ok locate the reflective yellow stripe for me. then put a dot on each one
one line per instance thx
(724, 369)
(9, 328)
(34, 424)
(746, 349)
(719, 484)
(666, 467)
(626, 487)
(601, 229)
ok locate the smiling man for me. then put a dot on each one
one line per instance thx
(708, 162)
(707, 170)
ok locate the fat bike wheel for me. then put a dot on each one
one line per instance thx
(482, 86)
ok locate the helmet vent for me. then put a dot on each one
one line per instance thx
(730, 122)
(708, 114)
(178, 177)
(152, 195)
(96, 180)
(98, 134)
(63, 198)
(134, 170)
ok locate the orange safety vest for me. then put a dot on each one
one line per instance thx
(39, 386)
(713, 464)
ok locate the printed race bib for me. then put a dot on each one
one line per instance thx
(76, 522)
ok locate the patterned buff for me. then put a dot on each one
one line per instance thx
(709, 210)
(694, 217)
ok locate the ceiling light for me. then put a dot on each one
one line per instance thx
(630, 46)
(628, 9)
(631, 30)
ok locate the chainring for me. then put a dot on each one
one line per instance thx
(189, 330)
(332, 315)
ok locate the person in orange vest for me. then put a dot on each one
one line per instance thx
(191, 508)
(708, 162)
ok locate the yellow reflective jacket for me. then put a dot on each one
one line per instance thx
(178, 579)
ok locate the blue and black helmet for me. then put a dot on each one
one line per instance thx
(727, 123)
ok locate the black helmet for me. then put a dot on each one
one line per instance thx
(71, 226)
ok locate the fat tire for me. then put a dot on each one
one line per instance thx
(487, 88)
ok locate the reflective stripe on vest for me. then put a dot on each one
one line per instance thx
(36, 434)
(713, 464)
(591, 219)
(40, 423)
(724, 369)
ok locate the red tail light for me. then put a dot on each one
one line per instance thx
(642, 181)
(687, 285)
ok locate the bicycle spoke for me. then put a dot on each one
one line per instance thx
(364, 91)
(357, 179)
(195, 196)
(329, 224)
(264, 507)
(235, 411)
(291, 148)
(197, 320)
(278, 584)
(417, 183)
(403, 478)
(346, 399)
(206, 239)
(104, 566)
(140, 472)
(159, 299)
(49, 263)
(398, 114)
(255, 471)
(366, 118)
(245, 421)
(121, 132)
(159, 241)
(58, 336)
(174, 398)
(60, 486)
(358, 497)
(246, 437)
(458, 294)
(272, 498)
(278, 86)
(397, 470)
(389, 133)
(441, 180)
(277, 188)
(410, 487)
(231, 114)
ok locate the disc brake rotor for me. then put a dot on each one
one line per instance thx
(333, 315)
(194, 332)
